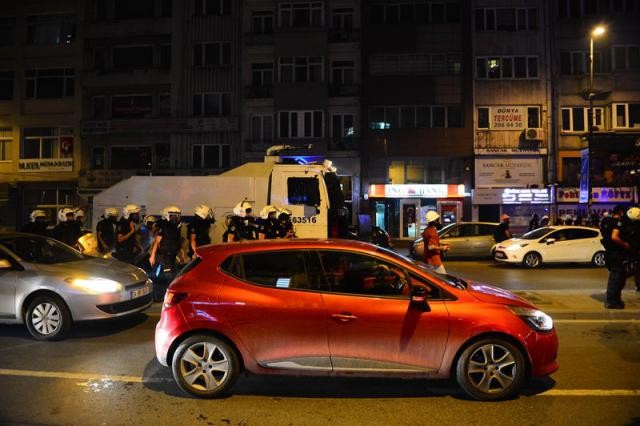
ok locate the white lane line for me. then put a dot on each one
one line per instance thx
(80, 376)
(595, 321)
(137, 379)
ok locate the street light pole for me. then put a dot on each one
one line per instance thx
(597, 31)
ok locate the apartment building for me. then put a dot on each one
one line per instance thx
(40, 96)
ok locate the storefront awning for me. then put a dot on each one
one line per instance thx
(416, 191)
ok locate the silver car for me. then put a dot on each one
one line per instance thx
(48, 285)
(465, 239)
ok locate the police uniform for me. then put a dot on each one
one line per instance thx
(268, 227)
(614, 258)
(235, 227)
(169, 244)
(285, 226)
(200, 228)
(67, 232)
(126, 250)
(39, 228)
(106, 230)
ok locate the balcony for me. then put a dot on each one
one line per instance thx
(344, 90)
(161, 125)
(257, 92)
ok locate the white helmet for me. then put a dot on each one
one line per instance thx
(37, 213)
(110, 211)
(633, 213)
(149, 218)
(62, 214)
(203, 211)
(130, 209)
(432, 216)
(169, 211)
(266, 210)
(241, 208)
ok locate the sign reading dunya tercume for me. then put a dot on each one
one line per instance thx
(508, 117)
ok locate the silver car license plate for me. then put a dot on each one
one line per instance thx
(139, 292)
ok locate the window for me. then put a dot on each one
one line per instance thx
(7, 24)
(132, 57)
(212, 104)
(98, 108)
(626, 115)
(5, 143)
(284, 269)
(577, 63)
(97, 157)
(51, 29)
(212, 7)
(303, 191)
(518, 67)
(342, 72)
(419, 63)
(6, 85)
(483, 118)
(131, 106)
(164, 59)
(211, 156)
(301, 15)
(578, 234)
(506, 19)
(533, 116)
(301, 69)
(626, 58)
(575, 119)
(164, 105)
(163, 155)
(262, 74)
(138, 9)
(301, 124)
(218, 53)
(49, 83)
(166, 8)
(43, 142)
(130, 157)
(364, 275)
(342, 19)
(420, 116)
(342, 127)
(262, 129)
(262, 22)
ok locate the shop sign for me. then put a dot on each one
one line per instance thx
(491, 172)
(512, 196)
(598, 195)
(46, 165)
(415, 191)
(508, 117)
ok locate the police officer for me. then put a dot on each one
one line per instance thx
(106, 230)
(79, 215)
(127, 248)
(285, 225)
(67, 230)
(268, 223)
(237, 229)
(616, 251)
(198, 230)
(38, 223)
(167, 243)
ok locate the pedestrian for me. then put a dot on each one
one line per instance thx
(578, 220)
(631, 233)
(533, 222)
(167, 244)
(236, 225)
(106, 230)
(38, 223)
(67, 230)
(432, 248)
(502, 232)
(544, 221)
(198, 230)
(285, 224)
(127, 247)
(616, 249)
(594, 220)
(268, 223)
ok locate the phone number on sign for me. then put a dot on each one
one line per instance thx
(304, 219)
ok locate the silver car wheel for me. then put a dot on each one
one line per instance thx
(46, 318)
(492, 369)
(598, 259)
(205, 366)
(532, 260)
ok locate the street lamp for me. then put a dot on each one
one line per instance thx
(596, 32)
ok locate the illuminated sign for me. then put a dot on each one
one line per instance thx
(598, 195)
(416, 191)
(507, 172)
(512, 196)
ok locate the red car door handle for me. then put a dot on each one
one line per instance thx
(344, 317)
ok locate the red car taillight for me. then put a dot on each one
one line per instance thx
(173, 298)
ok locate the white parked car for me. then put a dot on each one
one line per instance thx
(553, 244)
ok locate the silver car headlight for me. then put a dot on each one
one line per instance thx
(536, 319)
(95, 285)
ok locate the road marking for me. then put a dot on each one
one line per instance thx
(91, 377)
(594, 321)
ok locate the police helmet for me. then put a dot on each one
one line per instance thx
(266, 210)
(130, 209)
(633, 213)
(432, 216)
(241, 208)
(149, 219)
(36, 214)
(169, 211)
(62, 214)
(111, 211)
(204, 212)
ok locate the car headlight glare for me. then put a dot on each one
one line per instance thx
(95, 285)
(536, 319)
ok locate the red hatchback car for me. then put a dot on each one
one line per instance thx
(330, 307)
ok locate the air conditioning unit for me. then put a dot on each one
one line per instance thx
(533, 134)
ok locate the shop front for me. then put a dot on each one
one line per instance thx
(401, 208)
(603, 199)
(519, 203)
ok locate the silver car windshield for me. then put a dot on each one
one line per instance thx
(41, 250)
